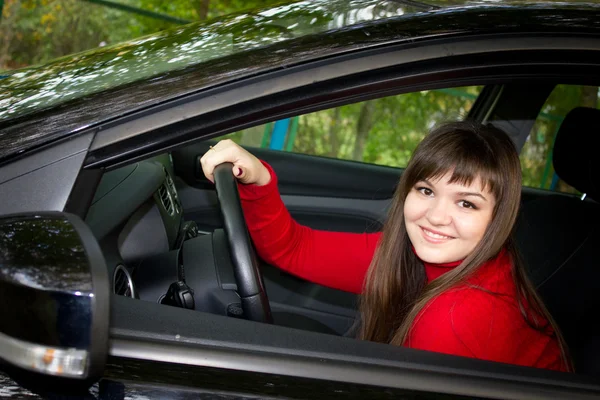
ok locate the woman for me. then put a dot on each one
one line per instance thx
(444, 274)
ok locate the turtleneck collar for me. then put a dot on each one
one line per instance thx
(436, 270)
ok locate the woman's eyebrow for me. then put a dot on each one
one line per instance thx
(472, 194)
(464, 194)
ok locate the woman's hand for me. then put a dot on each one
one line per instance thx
(246, 168)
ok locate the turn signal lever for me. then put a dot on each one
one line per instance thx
(179, 295)
(189, 230)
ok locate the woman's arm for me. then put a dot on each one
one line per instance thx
(334, 259)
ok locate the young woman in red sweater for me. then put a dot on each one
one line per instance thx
(444, 275)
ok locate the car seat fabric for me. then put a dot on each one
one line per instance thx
(558, 236)
(574, 155)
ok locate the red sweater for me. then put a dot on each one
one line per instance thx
(463, 321)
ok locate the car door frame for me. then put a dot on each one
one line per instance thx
(274, 350)
(291, 359)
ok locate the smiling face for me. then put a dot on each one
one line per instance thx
(445, 221)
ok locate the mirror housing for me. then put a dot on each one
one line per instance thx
(54, 297)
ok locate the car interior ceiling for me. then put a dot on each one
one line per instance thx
(555, 234)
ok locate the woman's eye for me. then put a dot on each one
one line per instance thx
(426, 191)
(467, 204)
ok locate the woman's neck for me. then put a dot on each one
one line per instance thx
(446, 265)
(434, 271)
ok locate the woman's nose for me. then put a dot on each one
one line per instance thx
(438, 213)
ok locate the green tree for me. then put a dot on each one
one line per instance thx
(383, 131)
(36, 31)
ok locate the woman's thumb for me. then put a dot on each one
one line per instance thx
(238, 172)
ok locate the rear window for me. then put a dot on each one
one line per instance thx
(536, 155)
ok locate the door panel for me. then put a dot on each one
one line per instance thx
(300, 174)
(327, 213)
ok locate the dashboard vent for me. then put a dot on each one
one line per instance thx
(173, 191)
(122, 282)
(170, 181)
(165, 199)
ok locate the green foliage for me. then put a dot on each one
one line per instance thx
(82, 74)
(36, 31)
(394, 126)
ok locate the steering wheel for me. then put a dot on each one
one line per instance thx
(250, 285)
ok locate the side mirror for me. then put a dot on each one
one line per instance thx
(54, 297)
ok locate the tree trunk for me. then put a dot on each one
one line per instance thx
(203, 9)
(333, 134)
(363, 126)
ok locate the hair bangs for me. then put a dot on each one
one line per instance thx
(465, 173)
(461, 157)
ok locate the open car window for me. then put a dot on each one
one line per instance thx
(382, 131)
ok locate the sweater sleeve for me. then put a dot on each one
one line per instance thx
(335, 259)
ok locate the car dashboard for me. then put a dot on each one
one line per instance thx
(153, 254)
(137, 217)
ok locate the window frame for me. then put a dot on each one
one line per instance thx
(336, 81)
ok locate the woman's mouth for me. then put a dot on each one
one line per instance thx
(434, 237)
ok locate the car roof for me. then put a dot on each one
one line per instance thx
(45, 103)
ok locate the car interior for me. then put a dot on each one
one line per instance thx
(161, 228)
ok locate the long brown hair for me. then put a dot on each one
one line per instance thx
(396, 288)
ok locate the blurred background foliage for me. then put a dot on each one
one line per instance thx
(36, 31)
(383, 131)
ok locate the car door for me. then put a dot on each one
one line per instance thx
(213, 355)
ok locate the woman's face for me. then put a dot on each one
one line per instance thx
(445, 221)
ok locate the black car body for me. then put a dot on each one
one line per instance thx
(105, 134)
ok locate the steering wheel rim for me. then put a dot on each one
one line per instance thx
(250, 284)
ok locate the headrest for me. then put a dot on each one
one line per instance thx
(574, 154)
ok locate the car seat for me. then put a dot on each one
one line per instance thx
(558, 235)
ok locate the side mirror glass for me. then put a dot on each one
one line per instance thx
(54, 297)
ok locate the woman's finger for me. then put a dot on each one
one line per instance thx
(217, 156)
